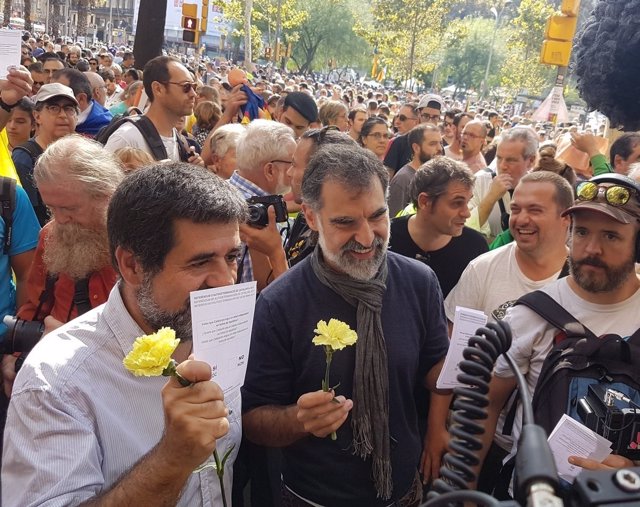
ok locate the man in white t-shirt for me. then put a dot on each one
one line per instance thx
(601, 292)
(494, 280)
(171, 90)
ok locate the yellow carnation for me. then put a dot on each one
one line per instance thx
(336, 334)
(151, 353)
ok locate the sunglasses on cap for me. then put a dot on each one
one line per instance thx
(616, 195)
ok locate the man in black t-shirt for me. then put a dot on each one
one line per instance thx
(436, 235)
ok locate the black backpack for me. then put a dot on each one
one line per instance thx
(580, 369)
(8, 204)
(148, 131)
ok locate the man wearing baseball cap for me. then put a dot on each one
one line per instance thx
(399, 153)
(56, 114)
(601, 292)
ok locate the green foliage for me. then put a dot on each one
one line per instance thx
(327, 33)
(467, 45)
(407, 33)
(522, 70)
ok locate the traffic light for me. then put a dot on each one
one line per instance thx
(190, 23)
(570, 7)
(556, 48)
(203, 16)
(288, 52)
(267, 53)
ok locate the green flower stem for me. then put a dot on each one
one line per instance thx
(170, 371)
(325, 383)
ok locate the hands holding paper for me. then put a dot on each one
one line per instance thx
(613, 461)
(16, 85)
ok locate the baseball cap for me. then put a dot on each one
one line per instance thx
(304, 104)
(431, 100)
(53, 90)
(595, 195)
(37, 52)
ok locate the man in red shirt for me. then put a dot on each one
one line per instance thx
(71, 272)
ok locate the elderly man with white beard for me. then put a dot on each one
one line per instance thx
(71, 271)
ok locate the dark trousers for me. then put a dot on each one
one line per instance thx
(495, 477)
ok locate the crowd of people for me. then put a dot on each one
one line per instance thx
(401, 207)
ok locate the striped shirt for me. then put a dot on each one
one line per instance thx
(248, 189)
(78, 420)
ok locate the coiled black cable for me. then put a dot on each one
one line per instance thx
(469, 407)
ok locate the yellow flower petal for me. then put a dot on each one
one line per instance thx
(151, 353)
(336, 334)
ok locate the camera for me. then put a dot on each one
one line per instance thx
(614, 416)
(258, 206)
(21, 335)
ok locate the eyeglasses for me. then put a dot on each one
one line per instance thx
(56, 108)
(430, 117)
(616, 195)
(402, 117)
(288, 162)
(186, 87)
(380, 135)
(38, 83)
(318, 135)
(472, 136)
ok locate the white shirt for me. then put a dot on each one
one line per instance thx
(533, 336)
(491, 283)
(78, 420)
(128, 135)
(492, 227)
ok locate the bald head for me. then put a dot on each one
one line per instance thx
(98, 87)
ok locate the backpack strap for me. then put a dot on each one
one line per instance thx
(32, 148)
(8, 203)
(46, 296)
(151, 136)
(551, 311)
(81, 296)
(503, 209)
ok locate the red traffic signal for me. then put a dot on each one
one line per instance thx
(189, 23)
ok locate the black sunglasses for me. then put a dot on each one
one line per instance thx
(185, 86)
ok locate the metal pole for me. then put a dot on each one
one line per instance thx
(46, 19)
(110, 36)
(485, 84)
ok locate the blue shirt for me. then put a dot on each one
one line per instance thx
(248, 189)
(25, 232)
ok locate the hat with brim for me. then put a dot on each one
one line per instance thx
(615, 212)
(431, 100)
(52, 91)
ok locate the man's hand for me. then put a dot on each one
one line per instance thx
(436, 443)
(8, 373)
(320, 415)
(195, 416)
(611, 462)
(266, 240)
(196, 159)
(51, 324)
(500, 185)
(236, 99)
(16, 86)
(585, 143)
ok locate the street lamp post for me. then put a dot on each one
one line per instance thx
(498, 16)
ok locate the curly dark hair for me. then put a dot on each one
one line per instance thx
(607, 63)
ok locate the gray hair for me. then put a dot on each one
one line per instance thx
(78, 158)
(330, 110)
(523, 134)
(351, 166)
(226, 137)
(261, 142)
(434, 177)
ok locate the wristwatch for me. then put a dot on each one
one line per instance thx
(5, 106)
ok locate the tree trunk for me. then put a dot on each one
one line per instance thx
(7, 12)
(247, 34)
(83, 14)
(149, 31)
(27, 15)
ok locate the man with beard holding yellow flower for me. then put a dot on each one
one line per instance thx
(82, 429)
(394, 304)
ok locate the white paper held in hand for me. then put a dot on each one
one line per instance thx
(465, 324)
(222, 320)
(10, 50)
